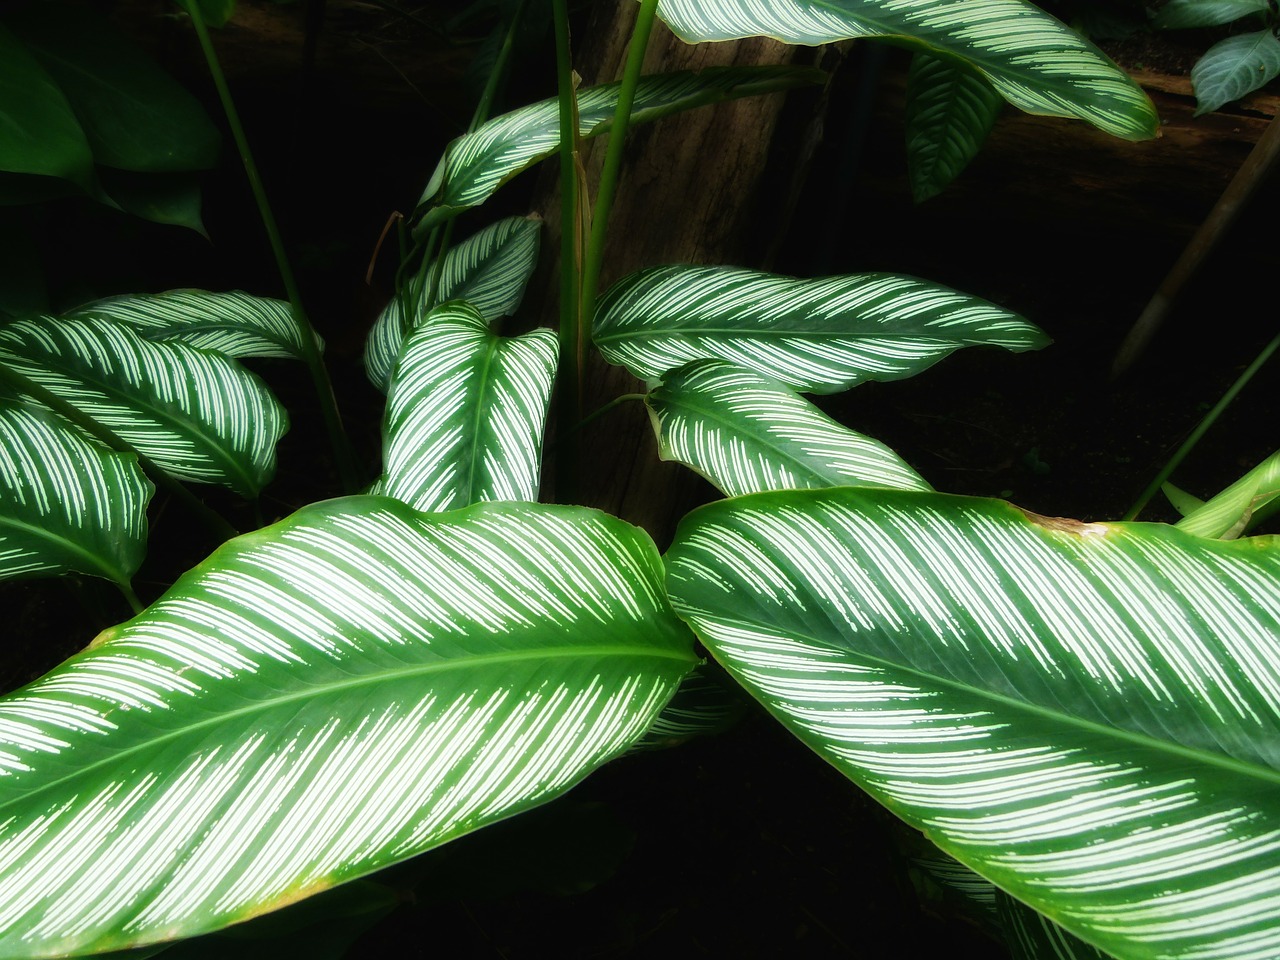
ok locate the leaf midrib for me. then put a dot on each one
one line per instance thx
(115, 758)
(99, 566)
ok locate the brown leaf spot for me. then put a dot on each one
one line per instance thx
(1067, 525)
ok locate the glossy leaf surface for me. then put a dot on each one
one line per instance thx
(476, 164)
(234, 324)
(326, 696)
(1086, 714)
(950, 110)
(67, 504)
(1036, 63)
(1205, 13)
(466, 412)
(488, 270)
(197, 414)
(1234, 67)
(1227, 515)
(819, 336)
(747, 433)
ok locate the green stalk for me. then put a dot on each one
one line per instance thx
(343, 454)
(594, 257)
(1203, 428)
(158, 475)
(569, 400)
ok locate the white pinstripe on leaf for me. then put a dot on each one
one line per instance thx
(67, 504)
(819, 336)
(1036, 63)
(747, 433)
(234, 324)
(321, 698)
(200, 415)
(489, 270)
(477, 164)
(465, 413)
(1086, 714)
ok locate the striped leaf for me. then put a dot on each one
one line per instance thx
(944, 885)
(1033, 936)
(199, 415)
(478, 163)
(701, 707)
(1234, 67)
(466, 412)
(234, 324)
(1177, 14)
(747, 433)
(1036, 63)
(1228, 514)
(321, 698)
(1088, 715)
(67, 504)
(950, 111)
(489, 270)
(819, 336)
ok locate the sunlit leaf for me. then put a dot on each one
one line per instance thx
(746, 433)
(233, 324)
(1088, 715)
(1234, 67)
(197, 414)
(819, 336)
(1037, 63)
(488, 270)
(950, 110)
(321, 698)
(1227, 515)
(477, 164)
(466, 412)
(67, 504)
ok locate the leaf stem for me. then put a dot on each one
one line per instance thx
(126, 588)
(1203, 427)
(343, 455)
(594, 257)
(159, 476)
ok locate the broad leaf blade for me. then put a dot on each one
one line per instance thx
(701, 707)
(332, 694)
(168, 198)
(66, 503)
(466, 412)
(1086, 714)
(1177, 14)
(950, 111)
(747, 433)
(1036, 63)
(1227, 515)
(1033, 936)
(234, 324)
(477, 164)
(819, 336)
(1234, 67)
(489, 270)
(197, 414)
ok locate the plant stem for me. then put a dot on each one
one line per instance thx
(1203, 427)
(611, 405)
(594, 256)
(159, 476)
(126, 588)
(569, 399)
(343, 454)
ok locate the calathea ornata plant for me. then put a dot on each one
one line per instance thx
(1085, 715)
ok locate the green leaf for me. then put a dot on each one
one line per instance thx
(489, 270)
(702, 706)
(133, 114)
(950, 110)
(1234, 67)
(197, 414)
(1037, 63)
(40, 134)
(466, 412)
(172, 199)
(1182, 501)
(67, 504)
(319, 699)
(747, 433)
(1033, 936)
(1176, 14)
(944, 885)
(1228, 514)
(819, 336)
(477, 164)
(216, 13)
(1088, 715)
(234, 324)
